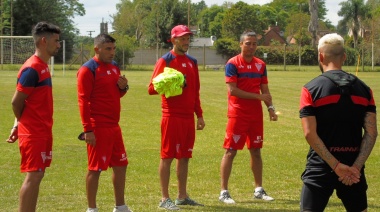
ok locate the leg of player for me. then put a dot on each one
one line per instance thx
(29, 191)
(92, 183)
(225, 172)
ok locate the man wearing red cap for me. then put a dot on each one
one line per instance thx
(177, 123)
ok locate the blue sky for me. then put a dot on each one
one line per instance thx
(100, 12)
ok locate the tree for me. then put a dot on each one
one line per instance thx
(313, 24)
(241, 17)
(353, 11)
(5, 23)
(59, 12)
(207, 17)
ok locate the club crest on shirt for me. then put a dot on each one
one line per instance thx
(108, 72)
(258, 66)
(184, 65)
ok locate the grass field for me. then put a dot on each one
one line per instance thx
(284, 152)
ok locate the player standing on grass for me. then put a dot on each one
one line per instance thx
(100, 87)
(177, 123)
(32, 105)
(247, 85)
(335, 108)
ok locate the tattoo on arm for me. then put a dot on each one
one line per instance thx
(369, 139)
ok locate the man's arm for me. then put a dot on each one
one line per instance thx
(368, 141)
(18, 103)
(158, 69)
(272, 113)
(235, 91)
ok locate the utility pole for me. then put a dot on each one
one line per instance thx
(90, 33)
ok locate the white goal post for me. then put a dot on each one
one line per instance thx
(17, 49)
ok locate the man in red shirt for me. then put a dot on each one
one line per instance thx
(32, 106)
(177, 123)
(100, 87)
(247, 84)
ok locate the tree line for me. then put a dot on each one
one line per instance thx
(147, 23)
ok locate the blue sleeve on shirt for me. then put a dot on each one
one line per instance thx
(29, 77)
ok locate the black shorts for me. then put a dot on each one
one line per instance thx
(317, 190)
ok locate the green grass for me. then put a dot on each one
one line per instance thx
(284, 152)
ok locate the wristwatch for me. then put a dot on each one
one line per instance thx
(126, 88)
(271, 107)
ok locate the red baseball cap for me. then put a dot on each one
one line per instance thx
(180, 30)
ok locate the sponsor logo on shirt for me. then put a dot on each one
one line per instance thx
(344, 149)
(44, 71)
(249, 67)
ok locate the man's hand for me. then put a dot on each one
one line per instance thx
(90, 139)
(347, 175)
(13, 136)
(272, 115)
(122, 82)
(200, 124)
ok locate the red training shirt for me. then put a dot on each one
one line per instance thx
(34, 79)
(98, 94)
(188, 103)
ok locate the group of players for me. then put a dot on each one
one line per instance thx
(335, 107)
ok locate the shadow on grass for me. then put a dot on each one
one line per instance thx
(249, 206)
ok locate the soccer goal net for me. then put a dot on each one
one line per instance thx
(16, 49)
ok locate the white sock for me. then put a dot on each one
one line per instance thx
(258, 189)
(121, 207)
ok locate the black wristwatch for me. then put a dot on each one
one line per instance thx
(126, 88)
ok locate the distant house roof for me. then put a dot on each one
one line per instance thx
(273, 33)
(200, 42)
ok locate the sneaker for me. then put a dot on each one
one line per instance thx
(168, 205)
(92, 210)
(261, 194)
(123, 208)
(226, 198)
(187, 201)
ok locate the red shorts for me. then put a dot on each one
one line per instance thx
(177, 137)
(243, 131)
(36, 153)
(109, 150)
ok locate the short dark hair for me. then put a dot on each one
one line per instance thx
(103, 38)
(44, 28)
(247, 33)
